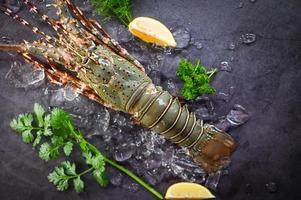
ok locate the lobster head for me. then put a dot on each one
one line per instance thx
(213, 150)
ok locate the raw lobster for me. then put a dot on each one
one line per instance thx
(99, 68)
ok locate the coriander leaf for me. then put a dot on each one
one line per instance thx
(69, 168)
(27, 137)
(60, 119)
(59, 178)
(78, 184)
(39, 111)
(88, 156)
(47, 124)
(38, 138)
(48, 152)
(100, 177)
(57, 140)
(22, 122)
(97, 162)
(44, 152)
(68, 148)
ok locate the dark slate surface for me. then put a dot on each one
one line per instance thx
(266, 75)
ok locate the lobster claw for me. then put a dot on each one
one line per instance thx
(213, 150)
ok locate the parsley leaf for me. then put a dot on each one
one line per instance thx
(196, 79)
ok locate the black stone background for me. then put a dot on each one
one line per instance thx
(266, 75)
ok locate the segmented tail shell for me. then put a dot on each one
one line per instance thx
(159, 111)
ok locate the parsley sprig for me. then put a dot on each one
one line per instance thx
(196, 79)
(56, 134)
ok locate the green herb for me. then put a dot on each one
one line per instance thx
(196, 79)
(58, 135)
(121, 9)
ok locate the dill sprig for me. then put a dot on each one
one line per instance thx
(120, 9)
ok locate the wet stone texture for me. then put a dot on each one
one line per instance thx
(256, 47)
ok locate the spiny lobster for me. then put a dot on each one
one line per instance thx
(108, 74)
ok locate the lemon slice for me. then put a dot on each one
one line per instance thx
(152, 31)
(188, 191)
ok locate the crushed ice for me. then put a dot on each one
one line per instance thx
(22, 75)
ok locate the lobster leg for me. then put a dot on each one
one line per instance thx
(95, 28)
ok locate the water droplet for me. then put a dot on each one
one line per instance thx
(231, 46)
(69, 93)
(84, 6)
(14, 5)
(171, 87)
(248, 38)
(24, 76)
(116, 179)
(271, 187)
(198, 45)
(103, 119)
(182, 38)
(241, 4)
(156, 76)
(225, 66)
(130, 186)
(213, 180)
(238, 115)
(124, 153)
(223, 125)
(223, 96)
(248, 189)
(150, 178)
(253, 1)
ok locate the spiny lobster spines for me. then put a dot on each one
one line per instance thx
(159, 111)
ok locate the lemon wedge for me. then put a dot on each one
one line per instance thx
(152, 31)
(188, 191)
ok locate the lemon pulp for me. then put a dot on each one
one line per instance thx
(188, 191)
(152, 31)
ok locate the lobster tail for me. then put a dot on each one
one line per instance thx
(162, 113)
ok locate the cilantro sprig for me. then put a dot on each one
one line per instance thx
(54, 134)
(196, 79)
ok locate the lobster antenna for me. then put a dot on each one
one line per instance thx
(44, 17)
(48, 38)
(34, 29)
(12, 47)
